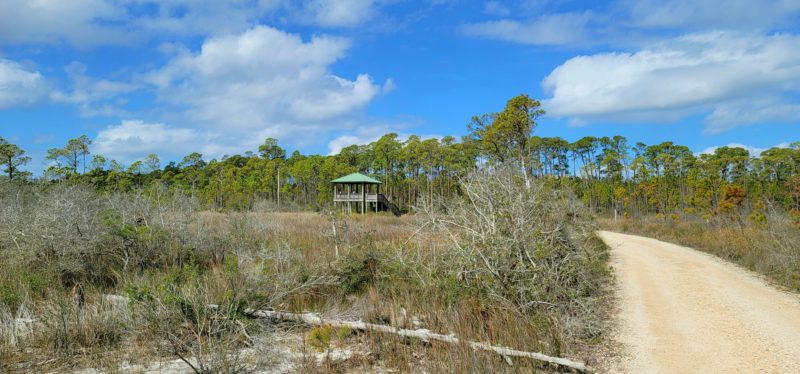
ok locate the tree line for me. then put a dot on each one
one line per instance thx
(606, 173)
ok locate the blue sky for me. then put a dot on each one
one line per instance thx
(176, 76)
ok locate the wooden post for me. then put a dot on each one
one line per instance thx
(279, 189)
(335, 187)
(363, 198)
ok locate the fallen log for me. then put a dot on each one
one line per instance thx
(422, 334)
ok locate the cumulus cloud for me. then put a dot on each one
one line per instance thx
(231, 93)
(263, 80)
(19, 86)
(134, 139)
(224, 97)
(698, 72)
(551, 29)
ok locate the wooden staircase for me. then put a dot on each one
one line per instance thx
(389, 205)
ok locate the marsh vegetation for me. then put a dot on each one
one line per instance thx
(508, 264)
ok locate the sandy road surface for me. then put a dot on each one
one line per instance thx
(684, 311)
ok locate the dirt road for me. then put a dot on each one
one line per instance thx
(684, 311)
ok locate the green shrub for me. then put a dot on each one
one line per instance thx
(319, 337)
(10, 295)
(137, 293)
(358, 271)
(25, 283)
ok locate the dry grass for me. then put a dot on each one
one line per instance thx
(770, 247)
(171, 262)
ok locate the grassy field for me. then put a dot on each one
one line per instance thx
(528, 274)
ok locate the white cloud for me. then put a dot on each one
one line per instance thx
(264, 82)
(627, 22)
(360, 135)
(337, 13)
(714, 14)
(48, 21)
(728, 115)
(754, 151)
(19, 86)
(93, 96)
(686, 75)
(237, 90)
(87, 23)
(223, 98)
(552, 29)
(197, 17)
(134, 139)
(335, 146)
(495, 8)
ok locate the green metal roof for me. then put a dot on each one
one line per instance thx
(356, 178)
